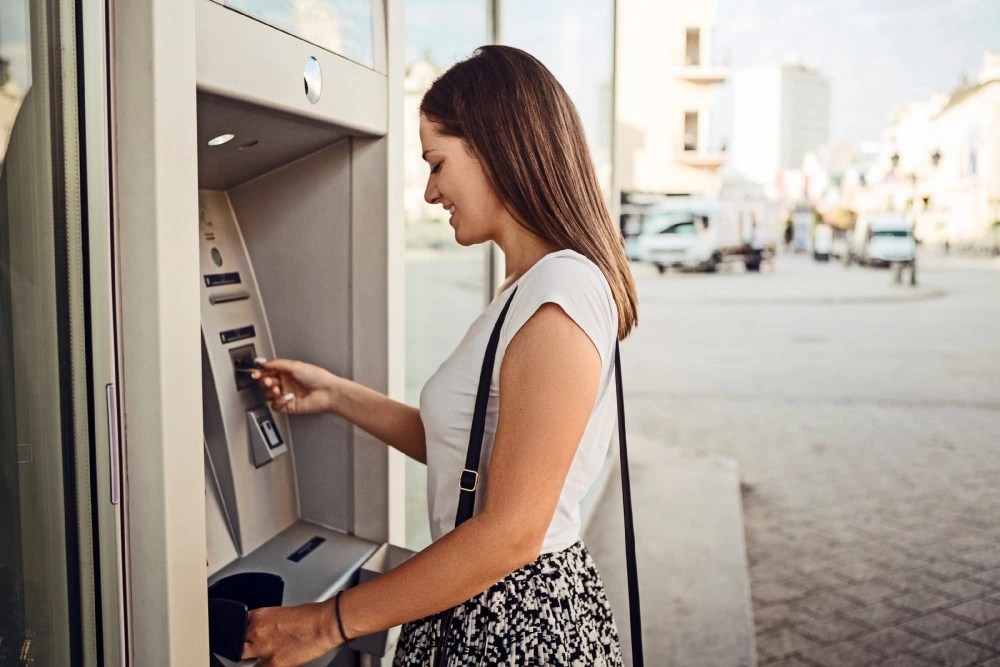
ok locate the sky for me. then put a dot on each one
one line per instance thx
(878, 54)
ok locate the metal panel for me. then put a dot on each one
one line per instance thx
(296, 222)
(242, 58)
(260, 500)
(370, 314)
(154, 89)
(265, 140)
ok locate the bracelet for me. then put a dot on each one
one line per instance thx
(340, 623)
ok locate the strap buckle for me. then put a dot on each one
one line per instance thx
(469, 480)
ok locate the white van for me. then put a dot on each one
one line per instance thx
(883, 239)
(700, 233)
(679, 238)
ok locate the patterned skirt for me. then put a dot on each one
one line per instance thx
(552, 611)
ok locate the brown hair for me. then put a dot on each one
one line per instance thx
(523, 126)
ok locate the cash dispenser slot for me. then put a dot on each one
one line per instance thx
(216, 299)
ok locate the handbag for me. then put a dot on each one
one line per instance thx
(469, 480)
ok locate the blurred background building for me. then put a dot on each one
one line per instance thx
(780, 113)
(667, 66)
(937, 163)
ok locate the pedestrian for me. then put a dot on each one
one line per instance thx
(508, 160)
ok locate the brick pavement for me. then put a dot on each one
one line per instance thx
(870, 468)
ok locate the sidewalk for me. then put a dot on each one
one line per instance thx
(694, 585)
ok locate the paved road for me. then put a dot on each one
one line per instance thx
(865, 417)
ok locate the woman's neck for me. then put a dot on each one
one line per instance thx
(521, 250)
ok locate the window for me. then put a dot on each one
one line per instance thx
(692, 47)
(42, 610)
(552, 31)
(685, 229)
(342, 26)
(691, 130)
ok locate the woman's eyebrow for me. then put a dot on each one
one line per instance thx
(429, 150)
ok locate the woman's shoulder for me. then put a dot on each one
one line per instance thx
(567, 268)
(576, 284)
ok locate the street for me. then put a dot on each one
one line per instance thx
(865, 419)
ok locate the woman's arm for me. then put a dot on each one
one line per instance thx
(396, 424)
(296, 388)
(548, 384)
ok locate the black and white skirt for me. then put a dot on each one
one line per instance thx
(552, 611)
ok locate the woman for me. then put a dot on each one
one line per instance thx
(509, 161)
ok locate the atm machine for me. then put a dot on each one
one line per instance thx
(292, 195)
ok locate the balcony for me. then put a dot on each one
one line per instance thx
(701, 158)
(706, 74)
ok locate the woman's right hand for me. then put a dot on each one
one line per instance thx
(295, 387)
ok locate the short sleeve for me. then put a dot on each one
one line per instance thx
(575, 285)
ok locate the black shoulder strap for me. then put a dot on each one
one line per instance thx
(469, 480)
(633, 571)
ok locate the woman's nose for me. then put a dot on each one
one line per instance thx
(431, 193)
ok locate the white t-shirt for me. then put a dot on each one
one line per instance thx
(447, 401)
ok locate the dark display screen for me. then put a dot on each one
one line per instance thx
(233, 335)
(218, 279)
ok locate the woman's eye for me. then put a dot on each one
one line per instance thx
(436, 168)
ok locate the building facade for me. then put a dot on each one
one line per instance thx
(667, 66)
(939, 163)
(781, 112)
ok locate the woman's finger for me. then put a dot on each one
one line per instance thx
(248, 651)
(280, 365)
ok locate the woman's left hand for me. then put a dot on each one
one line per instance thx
(288, 636)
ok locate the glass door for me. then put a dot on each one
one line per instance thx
(47, 599)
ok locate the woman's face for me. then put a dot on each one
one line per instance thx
(458, 183)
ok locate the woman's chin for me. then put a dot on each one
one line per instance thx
(461, 239)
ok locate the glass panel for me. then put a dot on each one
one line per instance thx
(37, 598)
(341, 26)
(445, 283)
(576, 41)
